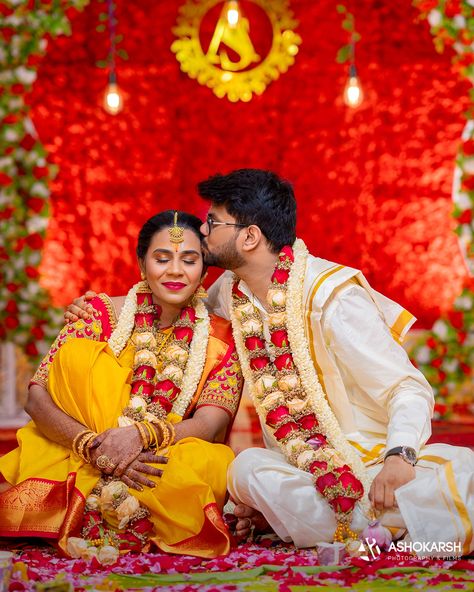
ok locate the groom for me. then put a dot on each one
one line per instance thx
(342, 409)
(381, 403)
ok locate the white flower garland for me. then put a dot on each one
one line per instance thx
(196, 359)
(304, 364)
(308, 375)
(197, 352)
(126, 321)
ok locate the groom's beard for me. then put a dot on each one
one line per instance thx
(226, 256)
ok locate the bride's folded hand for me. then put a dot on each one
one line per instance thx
(113, 450)
(135, 475)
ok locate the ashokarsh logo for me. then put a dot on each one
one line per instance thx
(235, 48)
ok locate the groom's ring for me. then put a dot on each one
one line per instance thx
(103, 462)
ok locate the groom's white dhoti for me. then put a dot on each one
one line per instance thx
(380, 400)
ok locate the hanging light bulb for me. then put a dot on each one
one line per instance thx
(113, 101)
(353, 94)
(232, 12)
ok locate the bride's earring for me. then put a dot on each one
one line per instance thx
(200, 292)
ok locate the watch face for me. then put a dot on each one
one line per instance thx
(410, 454)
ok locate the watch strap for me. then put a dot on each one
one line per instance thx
(401, 451)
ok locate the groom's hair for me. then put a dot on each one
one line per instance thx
(255, 196)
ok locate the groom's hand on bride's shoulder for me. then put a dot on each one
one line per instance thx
(80, 308)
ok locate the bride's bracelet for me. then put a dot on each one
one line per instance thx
(81, 444)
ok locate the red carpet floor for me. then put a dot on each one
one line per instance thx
(249, 568)
(263, 567)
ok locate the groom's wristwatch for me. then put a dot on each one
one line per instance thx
(408, 454)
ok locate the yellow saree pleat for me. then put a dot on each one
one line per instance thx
(91, 385)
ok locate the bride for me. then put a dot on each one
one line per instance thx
(130, 413)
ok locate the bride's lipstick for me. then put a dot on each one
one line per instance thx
(176, 286)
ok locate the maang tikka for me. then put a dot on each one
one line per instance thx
(176, 233)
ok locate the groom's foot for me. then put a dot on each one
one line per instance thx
(249, 520)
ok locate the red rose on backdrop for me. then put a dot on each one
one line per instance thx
(452, 8)
(12, 287)
(280, 338)
(280, 275)
(184, 333)
(276, 415)
(40, 172)
(37, 333)
(34, 241)
(28, 142)
(11, 307)
(6, 213)
(19, 245)
(36, 204)
(456, 319)
(465, 217)
(468, 183)
(31, 349)
(31, 272)
(285, 361)
(431, 343)
(468, 148)
(259, 363)
(252, 343)
(5, 180)
(11, 322)
(285, 430)
(342, 504)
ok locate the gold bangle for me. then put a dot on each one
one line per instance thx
(84, 440)
(87, 447)
(143, 436)
(165, 436)
(172, 430)
(152, 432)
(76, 438)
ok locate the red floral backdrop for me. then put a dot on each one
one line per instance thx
(373, 185)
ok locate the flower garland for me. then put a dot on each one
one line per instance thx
(110, 507)
(287, 394)
(26, 315)
(184, 358)
(445, 354)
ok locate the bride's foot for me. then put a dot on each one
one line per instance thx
(249, 520)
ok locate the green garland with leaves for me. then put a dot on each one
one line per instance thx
(27, 318)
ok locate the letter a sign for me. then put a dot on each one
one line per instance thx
(236, 48)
